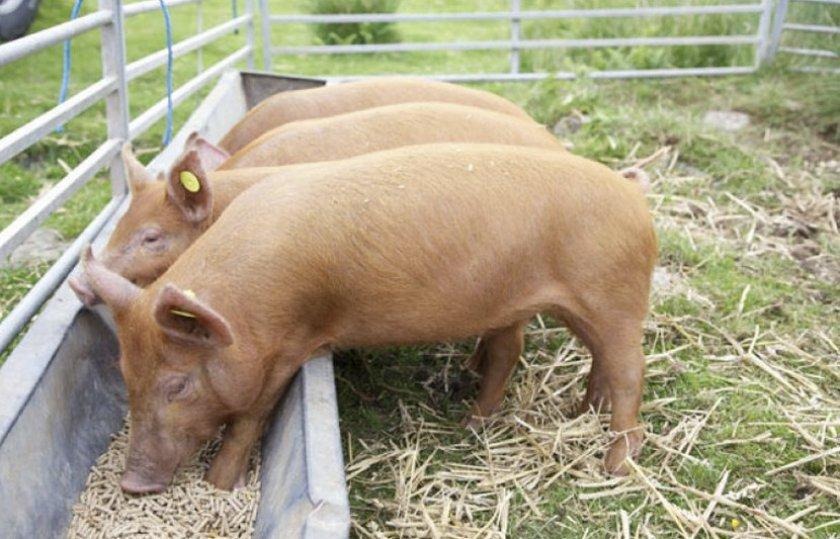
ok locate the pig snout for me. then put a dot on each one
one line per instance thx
(149, 467)
(136, 483)
(83, 291)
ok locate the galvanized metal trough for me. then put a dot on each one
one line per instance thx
(62, 396)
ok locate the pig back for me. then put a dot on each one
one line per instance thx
(387, 127)
(387, 238)
(347, 97)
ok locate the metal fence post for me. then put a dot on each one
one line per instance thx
(249, 32)
(116, 103)
(266, 34)
(515, 35)
(776, 31)
(763, 33)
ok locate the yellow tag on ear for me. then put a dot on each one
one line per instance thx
(185, 314)
(190, 181)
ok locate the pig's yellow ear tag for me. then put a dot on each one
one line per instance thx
(190, 181)
(185, 314)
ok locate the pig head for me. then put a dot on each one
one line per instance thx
(164, 217)
(184, 375)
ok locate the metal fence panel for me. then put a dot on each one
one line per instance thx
(113, 89)
(820, 52)
(761, 40)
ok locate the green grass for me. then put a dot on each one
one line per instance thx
(792, 300)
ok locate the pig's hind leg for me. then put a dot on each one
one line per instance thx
(616, 378)
(494, 359)
(597, 396)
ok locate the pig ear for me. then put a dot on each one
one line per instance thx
(187, 320)
(137, 175)
(114, 289)
(211, 155)
(189, 189)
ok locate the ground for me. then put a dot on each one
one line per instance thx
(742, 406)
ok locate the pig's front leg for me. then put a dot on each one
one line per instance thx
(229, 468)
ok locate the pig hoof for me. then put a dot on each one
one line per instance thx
(626, 445)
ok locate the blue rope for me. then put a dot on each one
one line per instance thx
(167, 135)
(234, 8)
(65, 75)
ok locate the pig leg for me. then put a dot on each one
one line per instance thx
(616, 378)
(229, 468)
(597, 385)
(597, 396)
(623, 366)
(499, 351)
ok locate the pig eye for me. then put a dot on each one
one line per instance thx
(177, 388)
(151, 239)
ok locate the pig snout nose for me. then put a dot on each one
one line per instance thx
(133, 483)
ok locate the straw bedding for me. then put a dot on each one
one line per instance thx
(190, 507)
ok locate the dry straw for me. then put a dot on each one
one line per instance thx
(190, 507)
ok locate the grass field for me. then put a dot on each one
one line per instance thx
(743, 389)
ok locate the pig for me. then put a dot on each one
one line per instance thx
(335, 99)
(383, 128)
(421, 244)
(159, 224)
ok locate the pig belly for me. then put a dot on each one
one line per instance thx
(430, 318)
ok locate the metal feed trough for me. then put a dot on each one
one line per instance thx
(61, 394)
(63, 397)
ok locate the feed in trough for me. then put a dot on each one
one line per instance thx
(190, 507)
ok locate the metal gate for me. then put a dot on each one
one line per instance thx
(764, 41)
(113, 89)
(821, 52)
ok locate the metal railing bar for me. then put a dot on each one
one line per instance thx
(568, 75)
(815, 69)
(26, 223)
(829, 2)
(52, 279)
(820, 53)
(523, 15)
(525, 44)
(130, 10)
(157, 111)
(31, 132)
(148, 63)
(26, 45)
(817, 28)
(672, 72)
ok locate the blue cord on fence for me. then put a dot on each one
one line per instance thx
(66, 63)
(167, 135)
(234, 11)
(65, 74)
